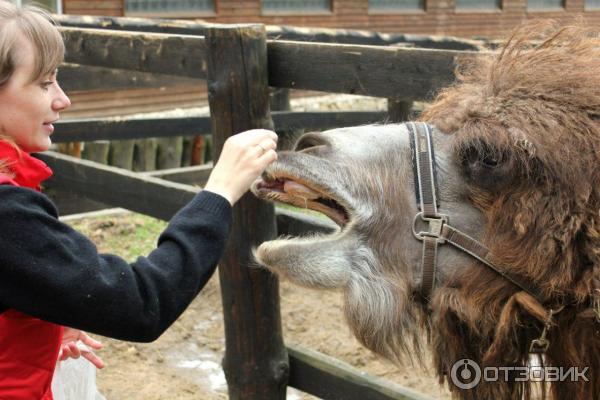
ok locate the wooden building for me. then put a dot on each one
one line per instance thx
(464, 18)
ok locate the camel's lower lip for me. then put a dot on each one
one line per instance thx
(294, 191)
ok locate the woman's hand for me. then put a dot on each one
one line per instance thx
(76, 343)
(243, 159)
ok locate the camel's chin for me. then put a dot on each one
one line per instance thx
(272, 254)
(316, 262)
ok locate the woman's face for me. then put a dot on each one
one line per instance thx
(29, 109)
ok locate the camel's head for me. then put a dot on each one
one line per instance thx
(517, 149)
(362, 179)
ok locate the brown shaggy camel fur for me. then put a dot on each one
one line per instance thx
(537, 107)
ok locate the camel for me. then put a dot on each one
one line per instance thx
(516, 168)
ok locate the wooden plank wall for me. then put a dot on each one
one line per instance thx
(94, 7)
(439, 17)
(114, 102)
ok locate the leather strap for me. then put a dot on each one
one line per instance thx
(425, 189)
(476, 249)
(439, 230)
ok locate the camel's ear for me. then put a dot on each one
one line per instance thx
(310, 141)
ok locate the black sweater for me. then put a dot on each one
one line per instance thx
(50, 271)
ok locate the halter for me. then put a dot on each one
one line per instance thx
(439, 229)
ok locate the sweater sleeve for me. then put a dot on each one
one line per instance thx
(50, 271)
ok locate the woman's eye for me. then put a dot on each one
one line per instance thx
(47, 84)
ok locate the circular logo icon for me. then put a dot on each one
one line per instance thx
(465, 374)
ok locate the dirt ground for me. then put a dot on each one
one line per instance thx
(185, 362)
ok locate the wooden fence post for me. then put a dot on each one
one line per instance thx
(280, 99)
(169, 152)
(121, 153)
(144, 155)
(399, 110)
(255, 363)
(97, 151)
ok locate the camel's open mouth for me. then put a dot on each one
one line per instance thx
(299, 193)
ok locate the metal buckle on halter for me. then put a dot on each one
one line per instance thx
(541, 344)
(435, 226)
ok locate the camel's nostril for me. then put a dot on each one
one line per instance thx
(310, 141)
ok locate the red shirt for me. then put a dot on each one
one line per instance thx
(28, 346)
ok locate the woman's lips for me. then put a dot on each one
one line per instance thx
(49, 127)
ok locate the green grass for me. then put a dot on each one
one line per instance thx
(127, 235)
(131, 235)
(302, 210)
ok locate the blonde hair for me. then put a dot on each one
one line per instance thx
(37, 26)
(5, 164)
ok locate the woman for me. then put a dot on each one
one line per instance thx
(51, 276)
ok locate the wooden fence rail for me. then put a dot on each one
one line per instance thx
(87, 77)
(321, 35)
(331, 379)
(119, 129)
(397, 73)
(145, 52)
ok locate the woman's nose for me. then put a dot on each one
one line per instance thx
(61, 101)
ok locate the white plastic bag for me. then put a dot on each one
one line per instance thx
(75, 379)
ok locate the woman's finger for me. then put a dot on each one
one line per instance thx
(89, 341)
(92, 357)
(267, 158)
(71, 350)
(255, 136)
(268, 144)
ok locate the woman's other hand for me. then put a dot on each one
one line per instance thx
(76, 343)
(243, 159)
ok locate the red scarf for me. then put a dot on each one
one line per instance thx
(24, 170)
(28, 346)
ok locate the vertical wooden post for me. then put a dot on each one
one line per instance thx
(121, 153)
(399, 110)
(255, 362)
(144, 155)
(197, 151)
(97, 151)
(169, 152)
(280, 99)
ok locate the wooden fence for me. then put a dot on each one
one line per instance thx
(239, 63)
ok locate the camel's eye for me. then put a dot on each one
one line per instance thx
(310, 141)
(485, 165)
(490, 162)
